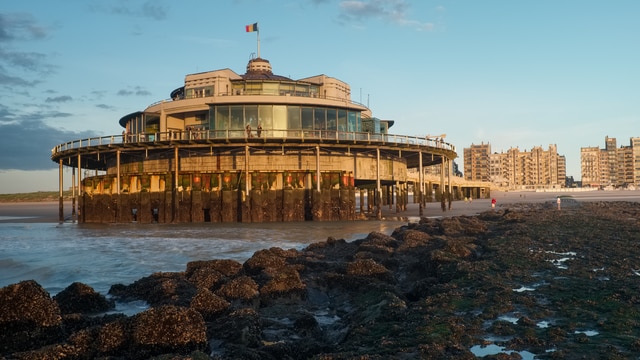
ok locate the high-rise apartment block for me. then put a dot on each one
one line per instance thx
(612, 166)
(516, 169)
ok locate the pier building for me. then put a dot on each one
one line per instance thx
(252, 147)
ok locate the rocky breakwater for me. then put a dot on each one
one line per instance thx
(528, 279)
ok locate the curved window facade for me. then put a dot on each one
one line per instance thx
(284, 117)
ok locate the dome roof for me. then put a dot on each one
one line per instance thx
(260, 69)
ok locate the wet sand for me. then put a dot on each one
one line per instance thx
(47, 211)
(26, 212)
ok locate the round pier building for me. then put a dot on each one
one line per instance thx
(255, 147)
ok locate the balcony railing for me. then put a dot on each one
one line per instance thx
(208, 135)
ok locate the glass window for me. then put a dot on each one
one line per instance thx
(293, 118)
(353, 123)
(237, 118)
(212, 118)
(265, 117)
(270, 88)
(342, 119)
(251, 115)
(302, 90)
(287, 89)
(320, 119)
(280, 120)
(307, 118)
(253, 88)
(331, 120)
(222, 117)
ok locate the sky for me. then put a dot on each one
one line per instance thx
(508, 73)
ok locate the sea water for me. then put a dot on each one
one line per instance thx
(100, 255)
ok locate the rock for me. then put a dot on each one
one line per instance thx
(268, 260)
(209, 304)
(157, 289)
(285, 283)
(168, 329)
(241, 288)
(29, 318)
(81, 298)
(225, 267)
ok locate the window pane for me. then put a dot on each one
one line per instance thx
(293, 118)
(307, 118)
(266, 116)
(270, 89)
(279, 120)
(320, 119)
(352, 121)
(237, 118)
(222, 117)
(251, 115)
(331, 119)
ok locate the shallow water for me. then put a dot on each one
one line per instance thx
(100, 255)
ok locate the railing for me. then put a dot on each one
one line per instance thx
(197, 135)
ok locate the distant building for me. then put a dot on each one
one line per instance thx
(476, 162)
(516, 169)
(612, 166)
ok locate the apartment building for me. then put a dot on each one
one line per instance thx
(612, 166)
(476, 162)
(516, 169)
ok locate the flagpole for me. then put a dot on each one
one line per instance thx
(258, 34)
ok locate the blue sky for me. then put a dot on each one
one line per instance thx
(511, 73)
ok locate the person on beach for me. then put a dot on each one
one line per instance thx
(493, 203)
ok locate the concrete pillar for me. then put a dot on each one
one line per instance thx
(318, 178)
(420, 187)
(378, 198)
(175, 203)
(117, 172)
(73, 194)
(61, 197)
(78, 213)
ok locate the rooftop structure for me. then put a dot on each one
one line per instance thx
(253, 147)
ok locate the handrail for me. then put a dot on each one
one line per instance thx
(300, 134)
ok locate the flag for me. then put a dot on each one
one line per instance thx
(251, 28)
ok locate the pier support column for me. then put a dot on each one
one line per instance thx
(60, 198)
(174, 210)
(443, 203)
(378, 199)
(420, 187)
(78, 213)
(73, 194)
